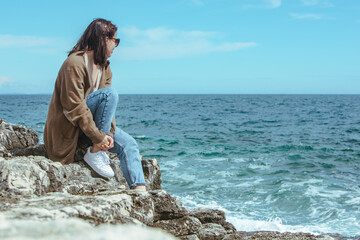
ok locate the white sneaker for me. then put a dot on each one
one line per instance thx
(99, 163)
(106, 157)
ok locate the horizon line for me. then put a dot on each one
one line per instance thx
(28, 94)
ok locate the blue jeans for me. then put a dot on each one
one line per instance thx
(102, 104)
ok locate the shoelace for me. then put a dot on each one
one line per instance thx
(105, 158)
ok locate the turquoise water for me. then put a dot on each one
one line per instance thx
(271, 162)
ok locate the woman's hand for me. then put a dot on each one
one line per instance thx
(106, 144)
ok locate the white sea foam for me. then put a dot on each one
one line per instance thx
(140, 136)
(258, 166)
(239, 160)
(355, 200)
(302, 183)
(170, 165)
(250, 182)
(224, 174)
(321, 191)
(249, 223)
(215, 159)
(189, 201)
(274, 224)
(244, 185)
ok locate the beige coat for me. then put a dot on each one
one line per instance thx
(68, 112)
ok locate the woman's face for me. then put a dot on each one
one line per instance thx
(111, 45)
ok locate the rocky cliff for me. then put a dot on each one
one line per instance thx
(42, 199)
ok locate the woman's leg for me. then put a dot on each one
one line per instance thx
(128, 152)
(102, 104)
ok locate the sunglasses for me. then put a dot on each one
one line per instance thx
(116, 41)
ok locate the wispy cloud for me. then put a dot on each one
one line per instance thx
(262, 4)
(163, 43)
(306, 16)
(8, 41)
(35, 44)
(322, 3)
(4, 80)
(274, 3)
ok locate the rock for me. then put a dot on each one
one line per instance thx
(15, 136)
(189, 237)
(233, 236)
(113, 208)
(37, 150)
(208, 215)
(143, 208)
(212, 231)
(212, 216)
(36, 175)
(167, 207)
(150, 167)
(180, 227)
(152, 174)
(23, 177)
(73, 228)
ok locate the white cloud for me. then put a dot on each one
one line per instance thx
(274, 3)
(8, 41)
(306, 16)
(36, 45)
(163, 43)
(4, 80)
(322, 3)
(262, 3)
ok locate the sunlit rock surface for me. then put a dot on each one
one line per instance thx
(72, 228)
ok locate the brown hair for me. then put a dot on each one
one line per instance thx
(94, 38)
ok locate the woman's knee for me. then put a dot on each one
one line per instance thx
(130, 143)
(112, 94)
(125, 140)
(133, 143)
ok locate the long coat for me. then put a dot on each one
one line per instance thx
(68, 112)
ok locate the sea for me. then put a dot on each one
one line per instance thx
(285, 163)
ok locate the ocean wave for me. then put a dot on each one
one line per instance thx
(211, 154)
(274, 224)
(140, 137)
(285, 148)
(251, 222)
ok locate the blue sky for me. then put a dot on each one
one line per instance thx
(191, 46)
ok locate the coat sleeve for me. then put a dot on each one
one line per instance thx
(108, 84)
(73, 101)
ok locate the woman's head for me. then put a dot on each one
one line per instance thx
(100, 37)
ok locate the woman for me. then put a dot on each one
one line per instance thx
(84, 104)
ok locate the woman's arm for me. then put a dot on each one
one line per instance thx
(73, 101)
